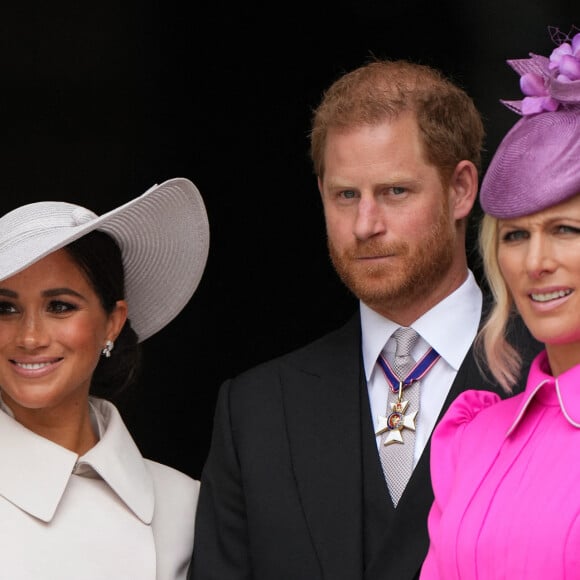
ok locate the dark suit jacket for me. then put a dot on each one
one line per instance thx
(282, 488)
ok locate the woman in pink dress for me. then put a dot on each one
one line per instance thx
(506, 474)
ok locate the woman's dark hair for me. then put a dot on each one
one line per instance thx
(99, 257)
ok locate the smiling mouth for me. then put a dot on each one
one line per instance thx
(550, 295)
(32, 366)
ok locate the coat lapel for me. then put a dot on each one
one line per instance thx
(321, 391)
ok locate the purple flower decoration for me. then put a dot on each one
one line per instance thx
(548, 83)
(537, 97)
(565, 60)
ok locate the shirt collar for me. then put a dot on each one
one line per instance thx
(36, 471)
(549, 390)
(461, 311)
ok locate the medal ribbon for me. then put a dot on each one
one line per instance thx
(417, 372)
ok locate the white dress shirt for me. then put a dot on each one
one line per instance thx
(110, 514)
(449, 327)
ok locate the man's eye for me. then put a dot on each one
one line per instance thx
(348, 194)
(398, 190)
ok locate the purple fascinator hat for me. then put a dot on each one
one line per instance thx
(537, 164)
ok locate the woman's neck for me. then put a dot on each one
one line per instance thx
(563, 357)
(67, 425)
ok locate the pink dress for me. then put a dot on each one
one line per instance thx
(506, 478)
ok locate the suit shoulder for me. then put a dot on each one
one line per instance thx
(320, 349)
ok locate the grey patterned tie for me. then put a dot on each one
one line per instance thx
(396, 457)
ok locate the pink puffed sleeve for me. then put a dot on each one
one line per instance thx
(445, 444)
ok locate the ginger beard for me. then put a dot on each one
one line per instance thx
(413, 272)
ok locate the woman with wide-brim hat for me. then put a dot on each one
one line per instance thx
(78, 293)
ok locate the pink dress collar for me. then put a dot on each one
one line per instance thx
(563, 390)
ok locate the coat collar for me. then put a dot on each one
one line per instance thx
(36, 471)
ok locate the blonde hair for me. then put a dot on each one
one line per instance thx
(491, 344)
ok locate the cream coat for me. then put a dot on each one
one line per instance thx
(110, 514)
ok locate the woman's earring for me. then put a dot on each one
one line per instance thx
(109, 345)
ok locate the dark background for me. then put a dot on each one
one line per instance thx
(99, 101)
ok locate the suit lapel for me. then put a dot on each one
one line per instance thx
(321, 390)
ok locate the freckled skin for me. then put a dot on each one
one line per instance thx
(66, 328)
(394, 230)
(540, 253)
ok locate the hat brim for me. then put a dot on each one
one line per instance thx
(163, 235)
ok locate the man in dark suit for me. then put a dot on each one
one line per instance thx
(297, 484)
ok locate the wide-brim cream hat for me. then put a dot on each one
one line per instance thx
(163, 235)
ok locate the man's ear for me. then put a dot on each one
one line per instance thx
(463, 187)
